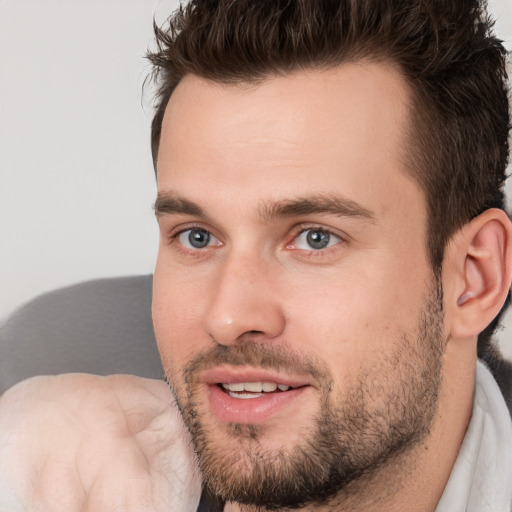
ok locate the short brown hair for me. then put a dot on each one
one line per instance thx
(445, 50)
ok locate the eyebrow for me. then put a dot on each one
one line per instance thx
(171, 203)
(332, 204)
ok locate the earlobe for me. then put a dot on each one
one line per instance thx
(486, 268)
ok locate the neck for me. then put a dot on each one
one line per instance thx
(415, 479)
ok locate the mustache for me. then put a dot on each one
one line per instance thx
(257, 355)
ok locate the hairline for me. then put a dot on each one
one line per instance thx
(411, 155)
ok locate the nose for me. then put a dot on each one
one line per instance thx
(244, 302)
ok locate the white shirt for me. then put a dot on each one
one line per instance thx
(481, 479)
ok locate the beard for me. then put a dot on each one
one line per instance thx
(356, 431)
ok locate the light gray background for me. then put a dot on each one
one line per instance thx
(76, 180)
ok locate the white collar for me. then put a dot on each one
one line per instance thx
(481, 479)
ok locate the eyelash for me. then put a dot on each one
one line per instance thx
(300, 230)
(317, 253)
(174, 238)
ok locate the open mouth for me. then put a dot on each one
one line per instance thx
(252, 399)
(248, 390)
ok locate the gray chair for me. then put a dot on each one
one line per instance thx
(102, 327)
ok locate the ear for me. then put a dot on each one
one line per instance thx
(482, 257)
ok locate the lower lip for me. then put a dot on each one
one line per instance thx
(250, 410)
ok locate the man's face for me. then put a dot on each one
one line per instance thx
(295, 309)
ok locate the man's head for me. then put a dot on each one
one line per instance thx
(319, 164)
(459, 127)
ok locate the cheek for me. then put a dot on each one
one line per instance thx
(177, 317)
(339, 327)
(350, 323)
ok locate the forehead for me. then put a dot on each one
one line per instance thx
(308, 131)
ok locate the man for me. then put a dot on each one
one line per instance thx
(333, 244)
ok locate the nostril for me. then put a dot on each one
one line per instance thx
(231, 320)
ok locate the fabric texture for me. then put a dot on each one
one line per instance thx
(101, 327)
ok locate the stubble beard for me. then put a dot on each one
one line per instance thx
(356, 432)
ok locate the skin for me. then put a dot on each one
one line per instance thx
(308, 134)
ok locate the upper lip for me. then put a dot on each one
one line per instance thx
(233, 375)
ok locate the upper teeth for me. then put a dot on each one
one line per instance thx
(255, 387)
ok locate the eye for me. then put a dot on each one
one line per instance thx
(196, 238)
(315, 239)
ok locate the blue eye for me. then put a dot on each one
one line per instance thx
(315, 239)
(196, 238)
